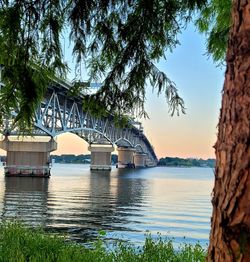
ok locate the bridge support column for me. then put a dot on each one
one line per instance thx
(126, 157)
(149, 162)
(140, 160)
(27, 158)
(100, 157)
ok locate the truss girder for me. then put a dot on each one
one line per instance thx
(59, 113)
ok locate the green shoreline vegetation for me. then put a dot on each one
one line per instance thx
(186, 162)
(167, 161)
(19, 243)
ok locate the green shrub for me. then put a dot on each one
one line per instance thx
(19, 243)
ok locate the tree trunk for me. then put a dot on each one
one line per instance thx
(230, 233)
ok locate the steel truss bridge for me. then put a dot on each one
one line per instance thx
(59, 113)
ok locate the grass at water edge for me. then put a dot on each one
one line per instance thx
(19, 243)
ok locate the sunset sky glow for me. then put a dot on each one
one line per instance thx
(199, 82)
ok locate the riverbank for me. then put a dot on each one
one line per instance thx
(186, 162)
(167, 161)
(19, 243)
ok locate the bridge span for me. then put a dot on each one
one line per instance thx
(59, 113)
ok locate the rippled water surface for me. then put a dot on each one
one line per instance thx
(124, 203)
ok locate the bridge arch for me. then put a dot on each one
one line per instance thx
(123, 142)
(139, 148)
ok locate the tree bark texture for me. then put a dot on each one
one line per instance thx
(230, 233)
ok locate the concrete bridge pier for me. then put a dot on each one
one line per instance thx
(27, 158)
(149, 162)
(126, 157)
(100, 156)
(140, 160)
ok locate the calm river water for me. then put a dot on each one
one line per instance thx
(124, 203)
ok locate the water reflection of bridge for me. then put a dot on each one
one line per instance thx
(79, 206)
(25, 199)
(60, 113)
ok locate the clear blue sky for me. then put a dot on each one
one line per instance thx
(199, 82)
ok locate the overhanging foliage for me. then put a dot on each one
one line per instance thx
(119, 42)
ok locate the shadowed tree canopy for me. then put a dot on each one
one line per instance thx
(214, 20)
(118, 42)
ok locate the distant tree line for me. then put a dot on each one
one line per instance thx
(187, 162)
(167, 161)
(77, 159)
